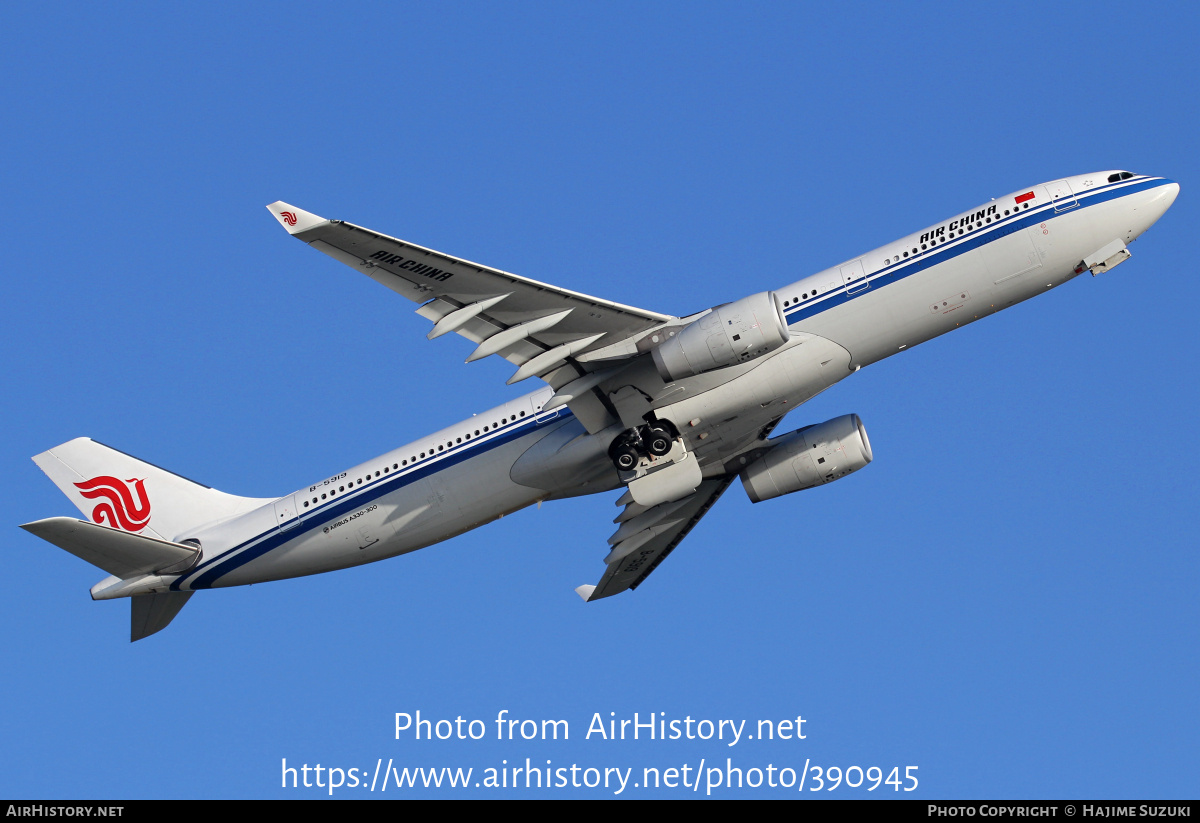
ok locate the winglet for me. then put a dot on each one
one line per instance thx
(293, 219)
(585, 592)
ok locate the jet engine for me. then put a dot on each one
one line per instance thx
(727, 335)
(808, 457)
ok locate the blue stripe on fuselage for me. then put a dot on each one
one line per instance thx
(209, 572)
(971, 240)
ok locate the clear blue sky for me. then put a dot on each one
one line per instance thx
(1006, 598)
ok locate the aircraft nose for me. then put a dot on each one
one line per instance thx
(1166, 196)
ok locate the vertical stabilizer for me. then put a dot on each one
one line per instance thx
(117, 490)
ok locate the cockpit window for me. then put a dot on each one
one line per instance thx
(1119, 176)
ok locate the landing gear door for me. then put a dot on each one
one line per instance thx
(1061, 195)
(854, 278)
(286, 514)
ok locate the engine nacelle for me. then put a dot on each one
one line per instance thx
(727, 335)
(808, 457)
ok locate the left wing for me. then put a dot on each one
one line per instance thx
(533, 325)
(646, 536)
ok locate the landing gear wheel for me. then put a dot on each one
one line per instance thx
(624, 455)
(658, 441)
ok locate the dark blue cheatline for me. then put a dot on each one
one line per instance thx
(212, 570)
(971, 240)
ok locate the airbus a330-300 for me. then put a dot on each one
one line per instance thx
(670, 409)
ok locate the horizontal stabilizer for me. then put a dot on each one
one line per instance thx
(150, 613)
(121, 553)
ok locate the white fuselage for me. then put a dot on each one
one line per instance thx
(845, 317)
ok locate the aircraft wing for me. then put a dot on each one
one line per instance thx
(646, 536)
(533, 325)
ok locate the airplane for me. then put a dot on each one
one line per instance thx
(669, 409)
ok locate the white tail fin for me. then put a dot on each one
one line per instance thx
(117, 490)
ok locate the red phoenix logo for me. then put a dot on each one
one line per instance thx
(288, 217)
(118, 508)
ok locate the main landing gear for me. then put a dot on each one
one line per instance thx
(655, 439)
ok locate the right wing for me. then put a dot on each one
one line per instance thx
(647, 536)
(543, 329)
